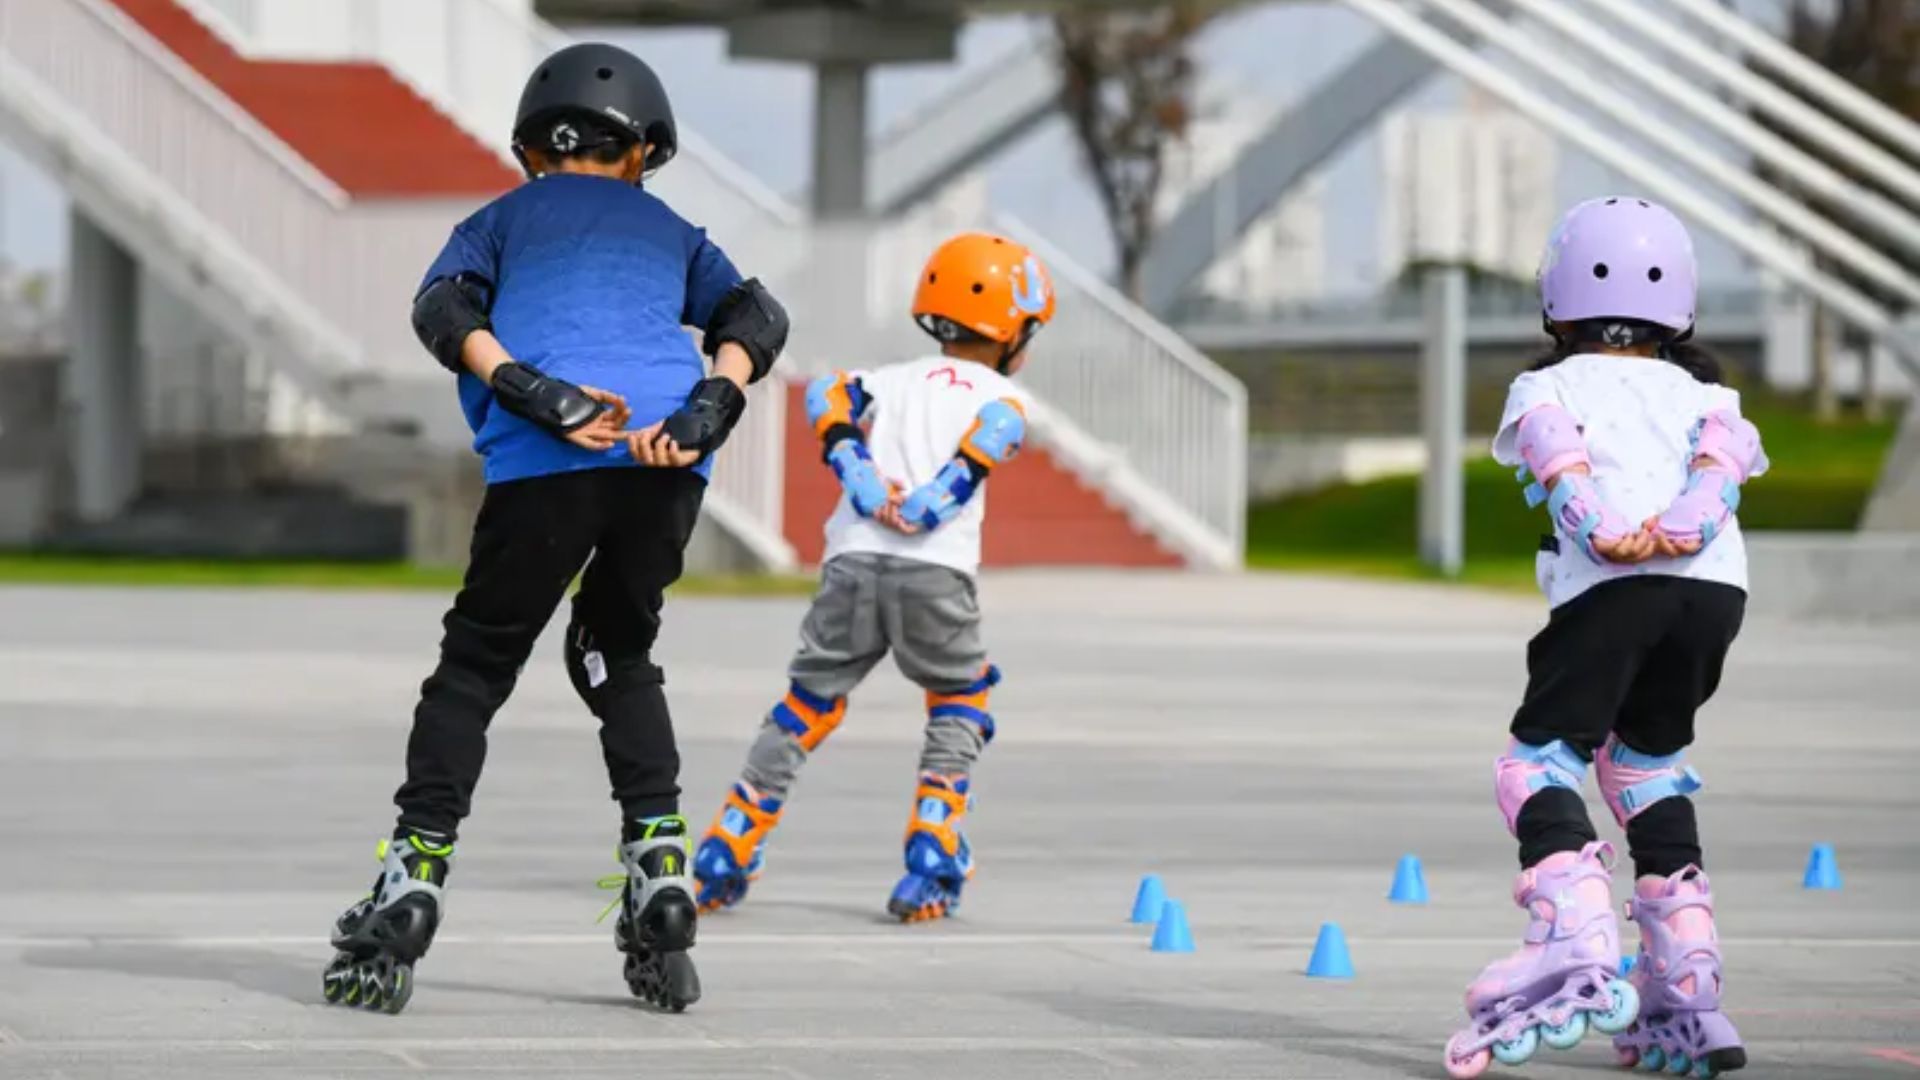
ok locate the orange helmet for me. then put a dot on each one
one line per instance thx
(979, 284)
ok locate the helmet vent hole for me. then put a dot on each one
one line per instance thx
(605, 74)
(978, 288)
(931, 278)
(1600, 271)
(1654, 275)
(1613, 202)
(1644, 205)
(545, 74)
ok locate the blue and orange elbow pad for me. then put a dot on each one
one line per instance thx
(834, 405)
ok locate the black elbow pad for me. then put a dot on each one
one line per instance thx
(751, 318)
(449, 309)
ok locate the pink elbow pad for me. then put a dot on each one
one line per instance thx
(1731, 444)
(1550, 443)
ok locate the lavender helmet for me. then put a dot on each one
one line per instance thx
(1620, 258)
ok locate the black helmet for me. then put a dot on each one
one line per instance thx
(602, 81)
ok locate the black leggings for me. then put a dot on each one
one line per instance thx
(531, 538)
(1635, 657)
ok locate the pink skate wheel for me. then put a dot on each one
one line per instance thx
(1469, 1066)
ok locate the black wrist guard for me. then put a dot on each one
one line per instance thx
(751, 318)
(838, 434)
(711, 411)
(554, 404)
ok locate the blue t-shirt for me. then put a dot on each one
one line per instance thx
(594, 282)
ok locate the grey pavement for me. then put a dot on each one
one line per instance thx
(192, 784)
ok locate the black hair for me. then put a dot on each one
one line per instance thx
(1677, 349)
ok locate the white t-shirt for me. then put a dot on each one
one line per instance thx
(919, 413)
(1638, 417)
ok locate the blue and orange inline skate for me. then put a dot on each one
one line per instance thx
(731, 854)
(939, 859)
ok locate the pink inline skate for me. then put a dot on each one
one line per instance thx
(1564, 977)
(1677, 973)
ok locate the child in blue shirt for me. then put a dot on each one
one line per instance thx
(561, 308)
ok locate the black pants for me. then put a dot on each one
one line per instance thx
(531, 538)
(1636, 658)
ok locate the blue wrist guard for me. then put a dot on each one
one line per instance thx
(865, 488)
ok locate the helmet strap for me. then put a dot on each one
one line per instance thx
(1616, 333)
(1019, 342)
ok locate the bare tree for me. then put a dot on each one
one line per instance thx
(1127, 85)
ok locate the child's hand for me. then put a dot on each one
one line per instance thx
(602, 432)
(1635, 547)
(1675, 549)
(889, 515)
(653, 448)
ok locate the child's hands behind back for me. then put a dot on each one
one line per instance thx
(652, 447)
(603, 431)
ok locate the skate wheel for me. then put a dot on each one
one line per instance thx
(1654, 1059)
(1679, 1064)
(1623, 1008)
(372, 992)
(335, 981)
(398, 989)
(1629, 1057)
(1466, 1066)
(1704, 1070)
(1565, 1036)
(1517, 1050)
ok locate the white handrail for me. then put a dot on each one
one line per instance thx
(1682, 196)
(1681, 145)
(244, 123)
(157, 149)
(1885, 168)
(1819, 178)
(1844, 97)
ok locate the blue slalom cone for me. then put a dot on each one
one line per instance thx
(1626, 965)
(1409, 882)
(1172, 935)
(1148, 901)
(1822, 871)
(1330, 959)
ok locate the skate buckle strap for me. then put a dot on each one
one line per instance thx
(1684, 781)
(1669, 778)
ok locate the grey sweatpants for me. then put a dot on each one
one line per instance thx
(926, 614)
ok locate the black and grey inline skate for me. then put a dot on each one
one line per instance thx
(379, 939)
(657, 912)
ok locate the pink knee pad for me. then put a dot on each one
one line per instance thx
(1632, 781)
(1550, 443)
(1525, 769)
